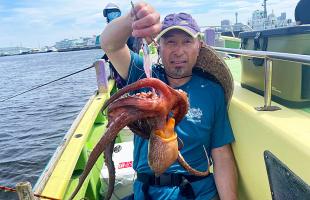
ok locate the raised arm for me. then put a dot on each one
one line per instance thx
(114, 37)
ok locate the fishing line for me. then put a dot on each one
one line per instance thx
(41, 85)
(130, 71)
(134, 65)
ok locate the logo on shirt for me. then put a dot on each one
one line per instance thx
(194, 115)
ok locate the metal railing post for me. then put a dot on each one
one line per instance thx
(267, 87)
(268, 81)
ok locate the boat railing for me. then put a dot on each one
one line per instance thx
(268, 57)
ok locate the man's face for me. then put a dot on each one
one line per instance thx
(179, 52)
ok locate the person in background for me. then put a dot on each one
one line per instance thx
(205, 130)
(302, 14)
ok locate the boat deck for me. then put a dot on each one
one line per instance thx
(234, 65)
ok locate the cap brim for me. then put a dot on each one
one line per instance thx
(187, 30)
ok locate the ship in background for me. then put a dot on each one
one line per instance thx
(260, 21)
(227, 34)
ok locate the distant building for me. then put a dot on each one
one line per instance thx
(76, 43)
(238, 27)
(91, 42)
(64, 44)
(13, 51)
(282, 17)
(79, 42)
(260, 22)
(225, 25)
(98, 41)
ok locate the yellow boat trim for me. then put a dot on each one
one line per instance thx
(59, 179)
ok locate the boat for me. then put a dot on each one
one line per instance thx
(272, 148)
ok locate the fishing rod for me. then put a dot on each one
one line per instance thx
(41, 85)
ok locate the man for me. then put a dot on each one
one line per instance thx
(302, 14)
(205, 130)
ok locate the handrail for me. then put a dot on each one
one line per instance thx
(304, 59)
(269, 57)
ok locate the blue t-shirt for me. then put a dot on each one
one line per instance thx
(205, 126)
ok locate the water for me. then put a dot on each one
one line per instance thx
(33, 125)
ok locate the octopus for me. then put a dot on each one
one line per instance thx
(151, 115)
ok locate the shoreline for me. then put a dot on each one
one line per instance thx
(59, 50)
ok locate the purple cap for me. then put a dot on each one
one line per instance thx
(181, 21)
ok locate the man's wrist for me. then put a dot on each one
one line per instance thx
(128, 21)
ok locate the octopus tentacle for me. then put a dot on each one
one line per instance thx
(140, 103)
(122, 119)
(111, 169)
(158, 85)
(141, 128)
(107, 138)
(191, 170)
(180, 108)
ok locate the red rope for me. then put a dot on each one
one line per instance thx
(36, 195)
(7, 189)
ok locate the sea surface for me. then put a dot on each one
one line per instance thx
(33, 125)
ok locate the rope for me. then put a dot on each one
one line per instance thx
(36, 195)
(41, 85)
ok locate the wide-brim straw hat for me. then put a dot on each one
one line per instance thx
(212, 64)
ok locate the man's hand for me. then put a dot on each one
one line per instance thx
(146, 21)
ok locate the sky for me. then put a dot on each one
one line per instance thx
(39, 23)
